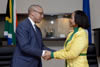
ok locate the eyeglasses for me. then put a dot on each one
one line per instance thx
(41, 13)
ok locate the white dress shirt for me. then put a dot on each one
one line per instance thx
(33, 24)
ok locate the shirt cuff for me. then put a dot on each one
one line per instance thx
(43, 52)
(52, 54)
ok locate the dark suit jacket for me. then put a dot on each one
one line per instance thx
(29, 46)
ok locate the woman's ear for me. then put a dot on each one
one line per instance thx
(75, 25)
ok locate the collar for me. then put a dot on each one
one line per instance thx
(32, 22)
(76, 29)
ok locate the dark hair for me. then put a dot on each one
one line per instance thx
(81, 19)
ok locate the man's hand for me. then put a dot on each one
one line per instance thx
(47, 55)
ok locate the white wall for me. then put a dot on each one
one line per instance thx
(49, 6)
(3, 4)
(95, 13)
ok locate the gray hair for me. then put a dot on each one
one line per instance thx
(32, 8)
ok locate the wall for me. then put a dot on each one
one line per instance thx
(50, 6)
(95, 15)
(3, 4)
(57, 6)
(60, 27)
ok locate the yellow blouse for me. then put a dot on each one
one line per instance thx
(74, 49)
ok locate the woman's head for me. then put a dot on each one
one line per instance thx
(79, 19)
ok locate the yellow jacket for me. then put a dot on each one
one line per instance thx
(74, 49)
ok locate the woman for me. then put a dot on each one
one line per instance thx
(76, 44)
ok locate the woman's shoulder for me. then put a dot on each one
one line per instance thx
(82, 31)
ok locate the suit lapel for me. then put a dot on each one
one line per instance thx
(37, 34)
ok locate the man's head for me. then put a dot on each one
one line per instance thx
(35, 12)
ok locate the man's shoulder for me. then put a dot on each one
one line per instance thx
(24, 22)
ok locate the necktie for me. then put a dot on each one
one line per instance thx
(36, 28)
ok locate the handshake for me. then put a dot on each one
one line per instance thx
(47, 55)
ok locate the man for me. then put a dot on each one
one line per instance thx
(29, 45)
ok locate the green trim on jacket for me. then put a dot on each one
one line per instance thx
(52, 55)
(70, 38)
